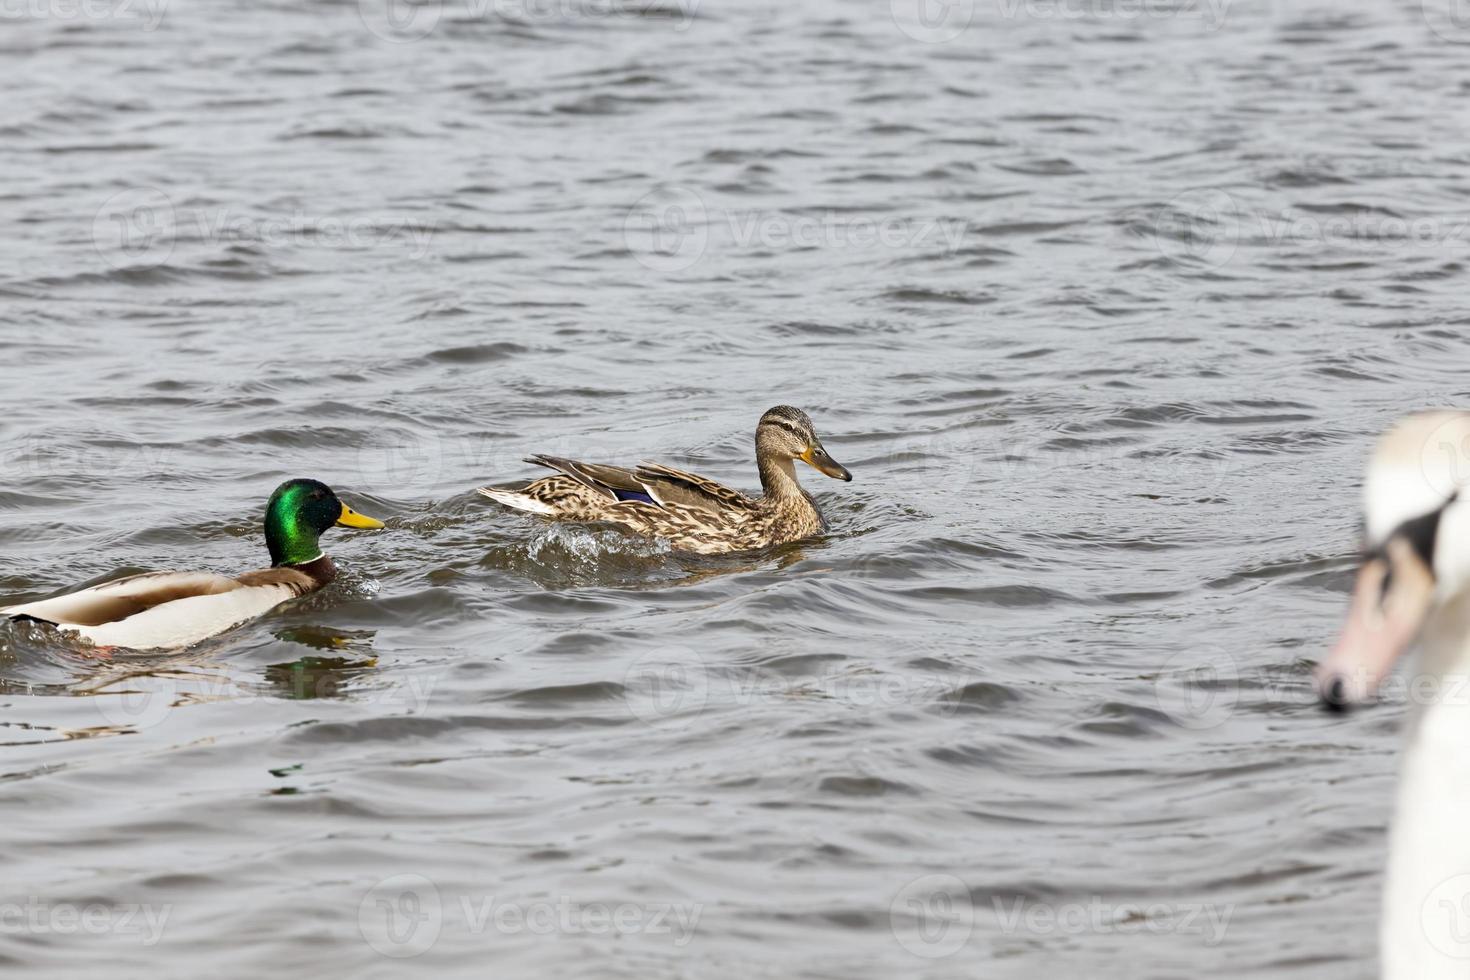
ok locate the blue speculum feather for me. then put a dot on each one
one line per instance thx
(632, 495)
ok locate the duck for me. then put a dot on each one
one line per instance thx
(1411, 596)
(688, 511)
(177, 609)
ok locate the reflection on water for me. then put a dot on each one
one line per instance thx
(317, 677)
(322, 677)
(323, 638)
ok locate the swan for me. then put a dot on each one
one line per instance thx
(1413, 593)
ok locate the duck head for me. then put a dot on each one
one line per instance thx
(298, 513)
(785, 433)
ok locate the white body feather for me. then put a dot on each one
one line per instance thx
(518, 500)
(1425, 933)
(194, 606)
(1425, 930)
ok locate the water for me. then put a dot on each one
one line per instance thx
(1101, 304)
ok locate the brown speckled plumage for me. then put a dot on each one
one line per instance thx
(689, 511)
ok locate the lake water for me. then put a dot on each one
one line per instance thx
(1101, 302)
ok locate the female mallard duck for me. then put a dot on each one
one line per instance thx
(689, 511)
(157, 610)
(1413, 591)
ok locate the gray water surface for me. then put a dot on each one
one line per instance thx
(1102, 309)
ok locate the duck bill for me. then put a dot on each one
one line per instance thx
(1383, 621)
(817, 459)
(351, 518)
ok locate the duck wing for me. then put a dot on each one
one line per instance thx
(159, 610)
(650, 483)
(613, 482)
(667, 485)
(121, 598)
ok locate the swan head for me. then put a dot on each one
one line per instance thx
(1416, 550)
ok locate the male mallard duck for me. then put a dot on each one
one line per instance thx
(1413, 591)
(689, 511)
(157, 610)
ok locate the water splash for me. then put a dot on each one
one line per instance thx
(571, 554)
(588, 546)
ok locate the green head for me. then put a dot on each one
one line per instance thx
(297, 514)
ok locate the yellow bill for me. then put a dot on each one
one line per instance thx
(351, 518)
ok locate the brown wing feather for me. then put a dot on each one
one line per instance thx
(690, 489)
(667, 486)
(664, 483)
(593, 475)
(292, 578)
